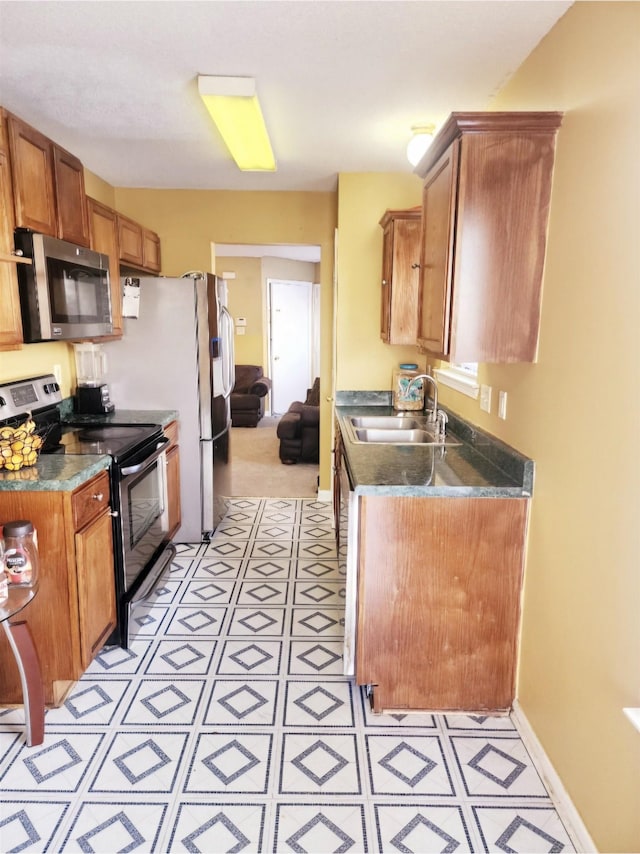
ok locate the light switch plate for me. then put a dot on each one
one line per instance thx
(485, 398)
(502, 404)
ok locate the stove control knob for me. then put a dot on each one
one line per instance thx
(51, 388)
(3, 402)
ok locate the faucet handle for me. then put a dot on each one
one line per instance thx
(441, 423)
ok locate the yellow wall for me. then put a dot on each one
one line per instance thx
(577, 413)
(363, 361)
(245, 300)
(36, 359)
(189, 221)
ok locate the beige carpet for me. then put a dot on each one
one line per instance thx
(256, 470)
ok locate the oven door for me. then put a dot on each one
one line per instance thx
(143, 511)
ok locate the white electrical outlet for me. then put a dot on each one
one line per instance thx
(502, 404)
(485, 398)
(57, 372)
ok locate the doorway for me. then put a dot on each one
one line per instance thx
(256, 467)
(290, 337)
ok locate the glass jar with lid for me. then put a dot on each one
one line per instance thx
(404, 395)
(20, 553)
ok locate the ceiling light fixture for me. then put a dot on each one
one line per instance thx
(421, 138)
(233, 105)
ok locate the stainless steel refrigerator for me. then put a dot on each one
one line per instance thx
(178, 354)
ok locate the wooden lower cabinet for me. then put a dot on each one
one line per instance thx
(74, 611)
(438, 601)
(173, 478)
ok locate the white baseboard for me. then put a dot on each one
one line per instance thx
(324, 495)
(569, 814)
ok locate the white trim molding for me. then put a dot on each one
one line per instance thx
(570, 816)
(464, 383)
(325, 495)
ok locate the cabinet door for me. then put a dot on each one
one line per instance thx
(436, 263)
(130, 241)
(10, 320)
(103, 222)
(96, 586)
(71, 201)
(32, 168)
(150, 250)
(403, 321)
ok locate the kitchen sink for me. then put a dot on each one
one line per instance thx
(394, 430)
(390, 422)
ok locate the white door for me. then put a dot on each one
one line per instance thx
(290, 321)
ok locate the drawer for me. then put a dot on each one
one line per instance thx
(90, 500)
(171, 432)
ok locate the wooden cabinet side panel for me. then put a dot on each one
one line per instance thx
(32, 169)
(71, 200)
(96, 586)
(53, 614)
(437, 259)
(103, 228)
(10, 319)
(173, 490)
(439, 601)
(503, 209)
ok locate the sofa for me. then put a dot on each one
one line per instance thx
(299, 429)
(247, 398)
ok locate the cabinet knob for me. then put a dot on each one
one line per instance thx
(415, 266)
(384, 281)
(97, 496)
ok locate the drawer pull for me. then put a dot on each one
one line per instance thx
(98, 496)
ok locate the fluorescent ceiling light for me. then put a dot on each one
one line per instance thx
(233, 105)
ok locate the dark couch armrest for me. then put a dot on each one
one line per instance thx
(288, 425)
(261, 387)
(310, 415)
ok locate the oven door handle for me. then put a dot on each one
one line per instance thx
(160, 447)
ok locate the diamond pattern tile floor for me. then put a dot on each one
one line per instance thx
(228, 726)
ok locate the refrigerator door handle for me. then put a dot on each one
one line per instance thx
(227, 350)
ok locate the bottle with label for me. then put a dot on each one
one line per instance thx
(20, 553)
(405, 395)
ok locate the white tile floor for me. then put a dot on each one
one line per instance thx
(229, 727)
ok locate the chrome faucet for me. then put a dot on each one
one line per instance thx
(433, 413)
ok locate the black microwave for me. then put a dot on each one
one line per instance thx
(65, 294)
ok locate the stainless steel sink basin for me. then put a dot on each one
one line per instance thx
(394, 430)
(390, 422)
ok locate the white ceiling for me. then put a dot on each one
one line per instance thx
(341, 82)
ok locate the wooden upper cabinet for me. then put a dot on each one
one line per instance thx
(103, 231)
(131, 241)
(150, 250)
(48, 185)
(486, 198)
(71, 201)
(400, 278)
(33, 182)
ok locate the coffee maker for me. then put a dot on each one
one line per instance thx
(92, 392)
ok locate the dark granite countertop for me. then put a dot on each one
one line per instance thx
(120, 416)
(480, 466)
(54, 473)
